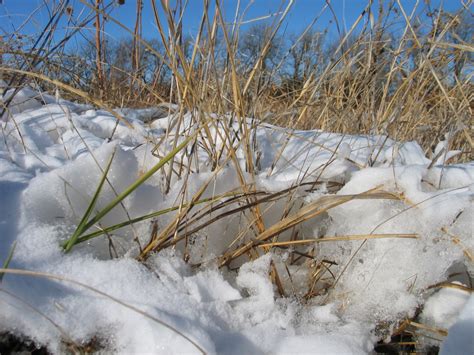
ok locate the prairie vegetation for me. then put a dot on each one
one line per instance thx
(227, 91)
(402, 72)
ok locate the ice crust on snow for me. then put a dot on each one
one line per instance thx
(52, 156)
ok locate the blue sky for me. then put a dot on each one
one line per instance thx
(14, 13)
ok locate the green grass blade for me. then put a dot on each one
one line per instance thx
(137, 183)
(80, 228)
(7, 262)
(83, 226)
(148, 216)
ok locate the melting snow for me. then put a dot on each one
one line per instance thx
(53, 152)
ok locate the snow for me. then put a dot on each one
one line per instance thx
(53, 154)
(443, 308)
(460, 340)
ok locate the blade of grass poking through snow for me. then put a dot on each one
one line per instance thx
(7, 261)
(110, 229)
(309, 211)
(132, 187)
(80, 228)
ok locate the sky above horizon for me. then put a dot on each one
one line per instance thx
(30, 16)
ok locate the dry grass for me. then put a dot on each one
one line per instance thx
(402, 81)
(407, 75)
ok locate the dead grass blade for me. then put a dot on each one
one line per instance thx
(309, 211)
(341, 238)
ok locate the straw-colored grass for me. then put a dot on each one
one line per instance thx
(406, 75)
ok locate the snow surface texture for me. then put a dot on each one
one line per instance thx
(460, 340)
(53, 153)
